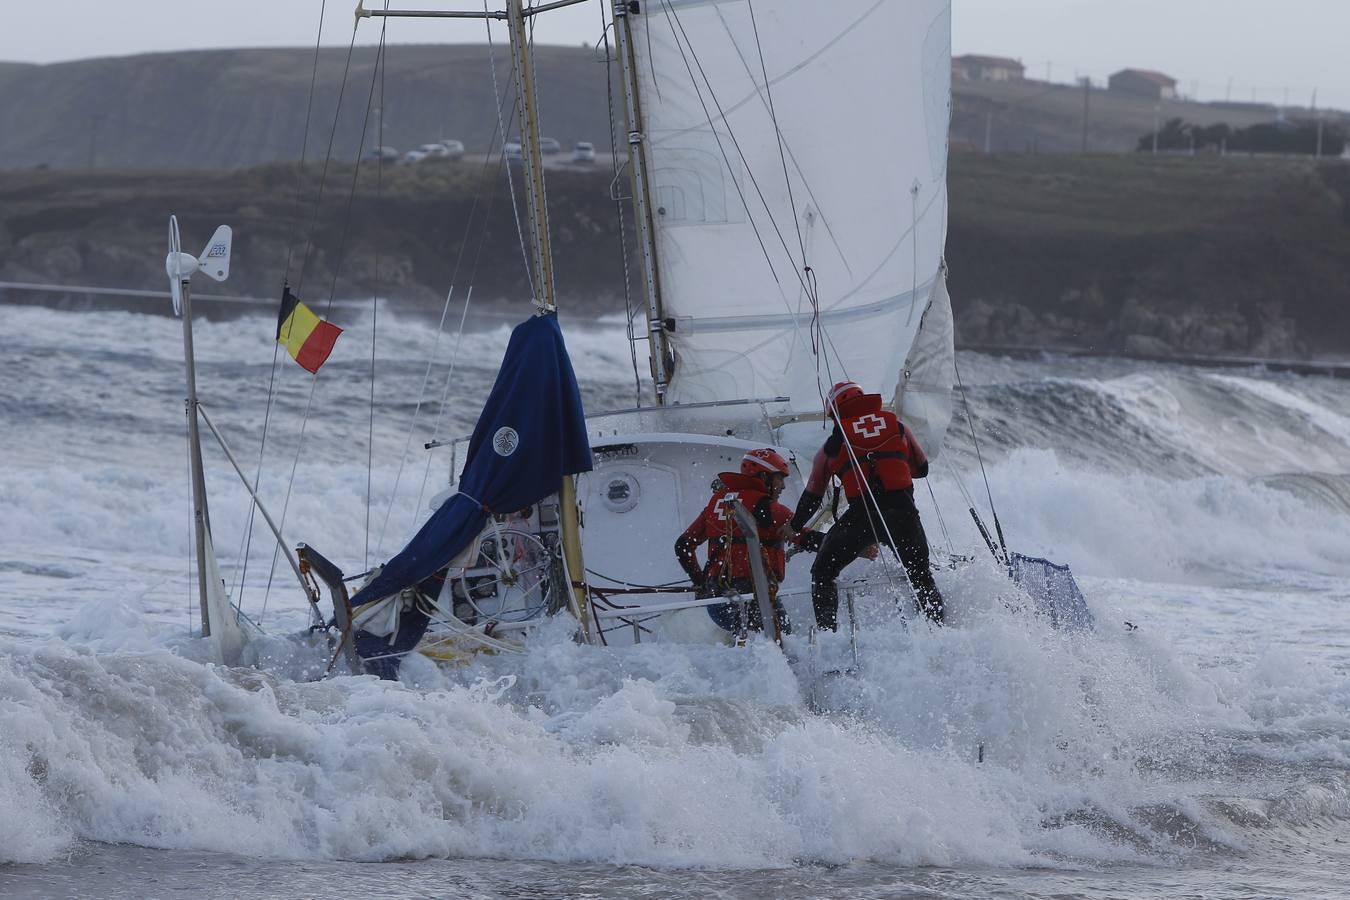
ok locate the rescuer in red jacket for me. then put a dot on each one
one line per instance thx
(876, 459)
(757, 487)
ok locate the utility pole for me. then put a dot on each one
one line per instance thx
(1087, 103)
(988, 130)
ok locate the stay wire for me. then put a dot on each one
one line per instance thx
(440, 330)
(342, 243)
(304, 144)
(246, 544)
(970, 422)
(327, 160)
(942, 524)
(618, 208)
(459, 339)
(382, 63)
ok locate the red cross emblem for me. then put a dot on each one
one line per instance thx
(720, 509)
(869, 426)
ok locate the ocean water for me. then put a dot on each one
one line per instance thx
(1203, 752)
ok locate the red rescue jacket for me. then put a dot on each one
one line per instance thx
(876, 450)
(770, 517)
(707, 528)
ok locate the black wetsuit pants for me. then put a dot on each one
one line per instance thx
(856, 531)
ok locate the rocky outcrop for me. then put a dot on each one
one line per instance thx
(1109, 254)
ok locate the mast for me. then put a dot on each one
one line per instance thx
(541, 257)
(657, 345)
(541, 254)
(201, 520)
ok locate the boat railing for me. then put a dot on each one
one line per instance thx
(747, 419)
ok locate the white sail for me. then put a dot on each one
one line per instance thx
(856, 113)
(923, 401)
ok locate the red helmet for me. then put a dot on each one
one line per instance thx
(841, 392)
(765, 461)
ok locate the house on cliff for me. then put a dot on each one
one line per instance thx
(973, 67)
(1143, 83)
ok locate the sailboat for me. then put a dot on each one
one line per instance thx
(787, 163)
(788, 177)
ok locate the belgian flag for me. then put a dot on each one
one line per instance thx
(305, 336)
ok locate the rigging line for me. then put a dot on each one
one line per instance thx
(290, 483)
(247, 541)
(942, 523)
(800, 65)
(356, 174)
(618, 208)
(440, 330)
(812, 287)
(417, 413)
(445, 394)
(337, 267)
(778, 132)
(459, 338)
(468, 300)
(510, 182)
(970, 421)
(327, 159)
(672, 16)
(304, 144)
(382, 60)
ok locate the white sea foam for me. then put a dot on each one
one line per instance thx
(1227, 708)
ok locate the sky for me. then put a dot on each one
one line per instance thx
(1217, 49)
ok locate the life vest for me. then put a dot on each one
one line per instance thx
(749, 490)
(710, 527)
(875, 453)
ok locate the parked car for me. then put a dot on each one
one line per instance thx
(436, 149)
(511, 149)
(414, 156)
(453, 149)
(583, 152)
(383, 154)
(549, 146)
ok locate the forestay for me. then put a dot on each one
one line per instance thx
(857, 103)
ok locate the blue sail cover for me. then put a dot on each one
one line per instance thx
(530, 435)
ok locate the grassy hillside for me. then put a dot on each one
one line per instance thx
(410, 230)
(1201, 255)
(1106, 252)
(1025, 116)
(226, 108)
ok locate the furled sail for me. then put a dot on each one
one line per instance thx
(835, 161)
(530, 435)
